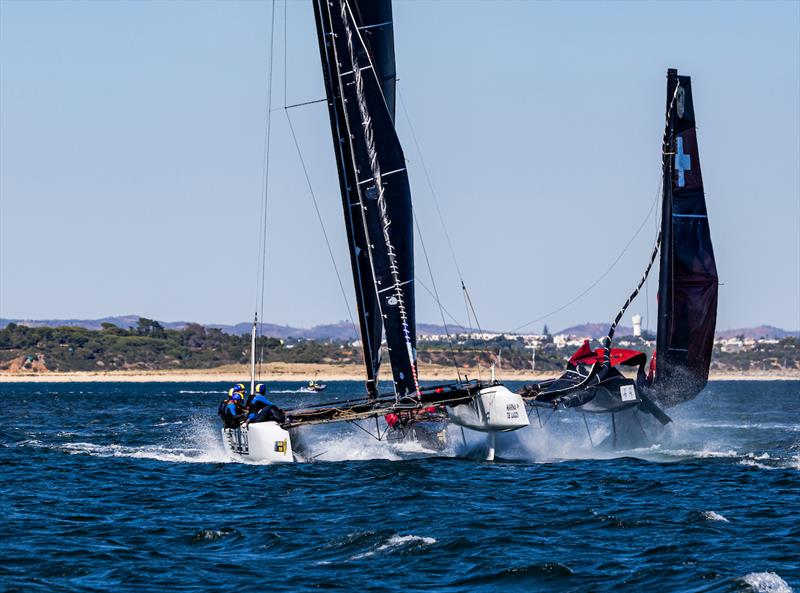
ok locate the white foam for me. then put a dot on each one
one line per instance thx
(758, 456)
(714, 516)
(358, 447)
(212, 534)
(339, 442)
(155, 452)
(201, 391)
(767, 582)
(196, 442)
(397, 541)
(746, 425)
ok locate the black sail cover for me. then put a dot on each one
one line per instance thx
(373, 181)
(688, 283)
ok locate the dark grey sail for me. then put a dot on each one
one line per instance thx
(688, 282)
(375, 190)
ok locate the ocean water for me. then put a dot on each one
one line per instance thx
(125, 487)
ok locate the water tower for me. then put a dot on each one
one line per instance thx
(637, 325)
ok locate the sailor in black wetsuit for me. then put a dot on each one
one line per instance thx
(263, 410)
(234, 411)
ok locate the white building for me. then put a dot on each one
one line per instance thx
(637, 325)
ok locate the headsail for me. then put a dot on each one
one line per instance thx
(688, 283)
(375, 191)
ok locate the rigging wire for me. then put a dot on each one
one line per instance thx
(321, 222)
(450, 315)
(286, 108)
(285, 52)
(467, 300)
(436, 297)
(664, 151)
(600, 278)
(430, 187)
(634, 294)
(311, 192)
(262, 234)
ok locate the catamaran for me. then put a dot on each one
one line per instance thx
(687, 302)
(356, 46)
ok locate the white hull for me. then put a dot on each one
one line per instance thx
(260, 442)
(493, 409)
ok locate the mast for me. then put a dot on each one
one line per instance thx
(664, 269)
(253, 356)
(375, 185)
(369, 318)
(688, 282)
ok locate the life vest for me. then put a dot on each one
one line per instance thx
(259, 402)
(231, 416)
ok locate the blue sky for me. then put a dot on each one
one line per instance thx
(131, 140)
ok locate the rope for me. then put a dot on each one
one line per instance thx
(372, 153)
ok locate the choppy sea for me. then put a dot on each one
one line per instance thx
(126, 487)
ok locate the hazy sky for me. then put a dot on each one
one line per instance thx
(131, 141)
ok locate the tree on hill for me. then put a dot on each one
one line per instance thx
(150, 327)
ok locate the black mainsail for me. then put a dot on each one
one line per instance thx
(687, 295)
(374, 19)
(359, 83)
(688, 282)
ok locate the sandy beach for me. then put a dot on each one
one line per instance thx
(305, 372)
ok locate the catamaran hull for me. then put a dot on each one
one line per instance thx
(492, 409)
(261, 442)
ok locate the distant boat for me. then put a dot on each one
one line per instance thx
(315, 387)
(687, 301)
(356, 44)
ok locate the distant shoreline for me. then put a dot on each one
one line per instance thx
(305, 372)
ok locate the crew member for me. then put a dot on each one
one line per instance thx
(234, 411)
(263, 410)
